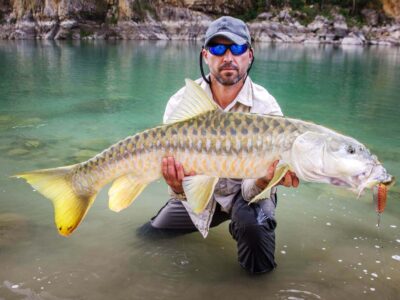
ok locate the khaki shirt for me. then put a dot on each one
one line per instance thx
(252, 98)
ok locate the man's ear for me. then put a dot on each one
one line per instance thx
(251, 54)
(204, 52)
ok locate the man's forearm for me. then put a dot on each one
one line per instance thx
(250, 188)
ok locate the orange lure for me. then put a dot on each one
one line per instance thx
(380, 193)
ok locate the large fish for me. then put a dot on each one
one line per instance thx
(213, 144)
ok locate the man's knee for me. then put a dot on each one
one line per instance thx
(173, 215)
(253, 227)
(256, 247)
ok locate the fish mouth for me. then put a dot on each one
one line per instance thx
(378, 176)
(390, 182)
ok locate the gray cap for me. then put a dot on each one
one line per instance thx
(230, 28)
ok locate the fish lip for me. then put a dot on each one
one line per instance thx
(373, 183)
(389, 182)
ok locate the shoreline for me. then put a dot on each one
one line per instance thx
(177, 23)
(266, 32)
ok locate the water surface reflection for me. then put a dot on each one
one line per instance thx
(61, 102)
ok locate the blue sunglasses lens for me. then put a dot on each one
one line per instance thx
(238, 49)
(220, 49)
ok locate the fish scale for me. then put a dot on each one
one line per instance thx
(198, 146)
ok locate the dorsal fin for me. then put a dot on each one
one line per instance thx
(195, 101)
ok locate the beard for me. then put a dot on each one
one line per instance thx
(230, 76)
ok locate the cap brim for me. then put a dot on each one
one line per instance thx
(229, 35)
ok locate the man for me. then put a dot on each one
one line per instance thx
(227, 52)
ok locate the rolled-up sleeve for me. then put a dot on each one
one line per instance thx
(250, 189)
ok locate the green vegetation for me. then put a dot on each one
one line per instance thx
(141, 7)
(308, 9)
(98, 14)
(85, 33)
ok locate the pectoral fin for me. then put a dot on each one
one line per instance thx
(199, 190)
(124, 191)
(278, 175)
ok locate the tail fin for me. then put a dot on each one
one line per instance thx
(56, 184)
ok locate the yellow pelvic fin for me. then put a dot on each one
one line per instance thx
(56, 185)
(124, 191)
(194, 102)
(199, 190)
(278, 175)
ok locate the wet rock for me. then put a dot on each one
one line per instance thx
(46, 28)
(312, 40)
(17, 152)
(284, 16)
(25, 29)
(352, 39)
(32, 144)
(339, 26)
(13, 229)
(319, 23)
(394, 32)
(6, 119)
(63, 34)
(4, 147)
(300, 38)
(68, 24)
(283, 37)
(265, 16)
(97, 144)
(28, 122)
(83, 155)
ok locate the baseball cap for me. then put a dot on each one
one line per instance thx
(231, 28)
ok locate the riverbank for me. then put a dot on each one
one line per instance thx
(168, 22)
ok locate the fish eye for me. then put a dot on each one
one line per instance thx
(351, 149)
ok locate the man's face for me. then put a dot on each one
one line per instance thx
(227, 69)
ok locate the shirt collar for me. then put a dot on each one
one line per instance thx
(244, 97)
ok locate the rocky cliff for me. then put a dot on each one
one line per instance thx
(392, 8)
(186, 20)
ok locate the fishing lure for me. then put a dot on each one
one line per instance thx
(380, 193)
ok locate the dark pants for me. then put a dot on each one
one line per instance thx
(252, 227)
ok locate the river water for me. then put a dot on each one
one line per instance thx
(62, 102)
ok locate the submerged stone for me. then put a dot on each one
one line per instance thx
(29, 121)
(83, 155)
(17, 152)
(32, 144)
(13, 228)
(33, 120)
(6, 119)
(97, 144)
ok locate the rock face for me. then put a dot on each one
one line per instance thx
(183, 20)
(269, 28)
(392, 8)
(100, 19)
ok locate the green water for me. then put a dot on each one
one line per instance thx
(61, 102)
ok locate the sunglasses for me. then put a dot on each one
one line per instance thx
(220, 49)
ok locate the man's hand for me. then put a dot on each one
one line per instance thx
(290, 178)
(173, 173)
